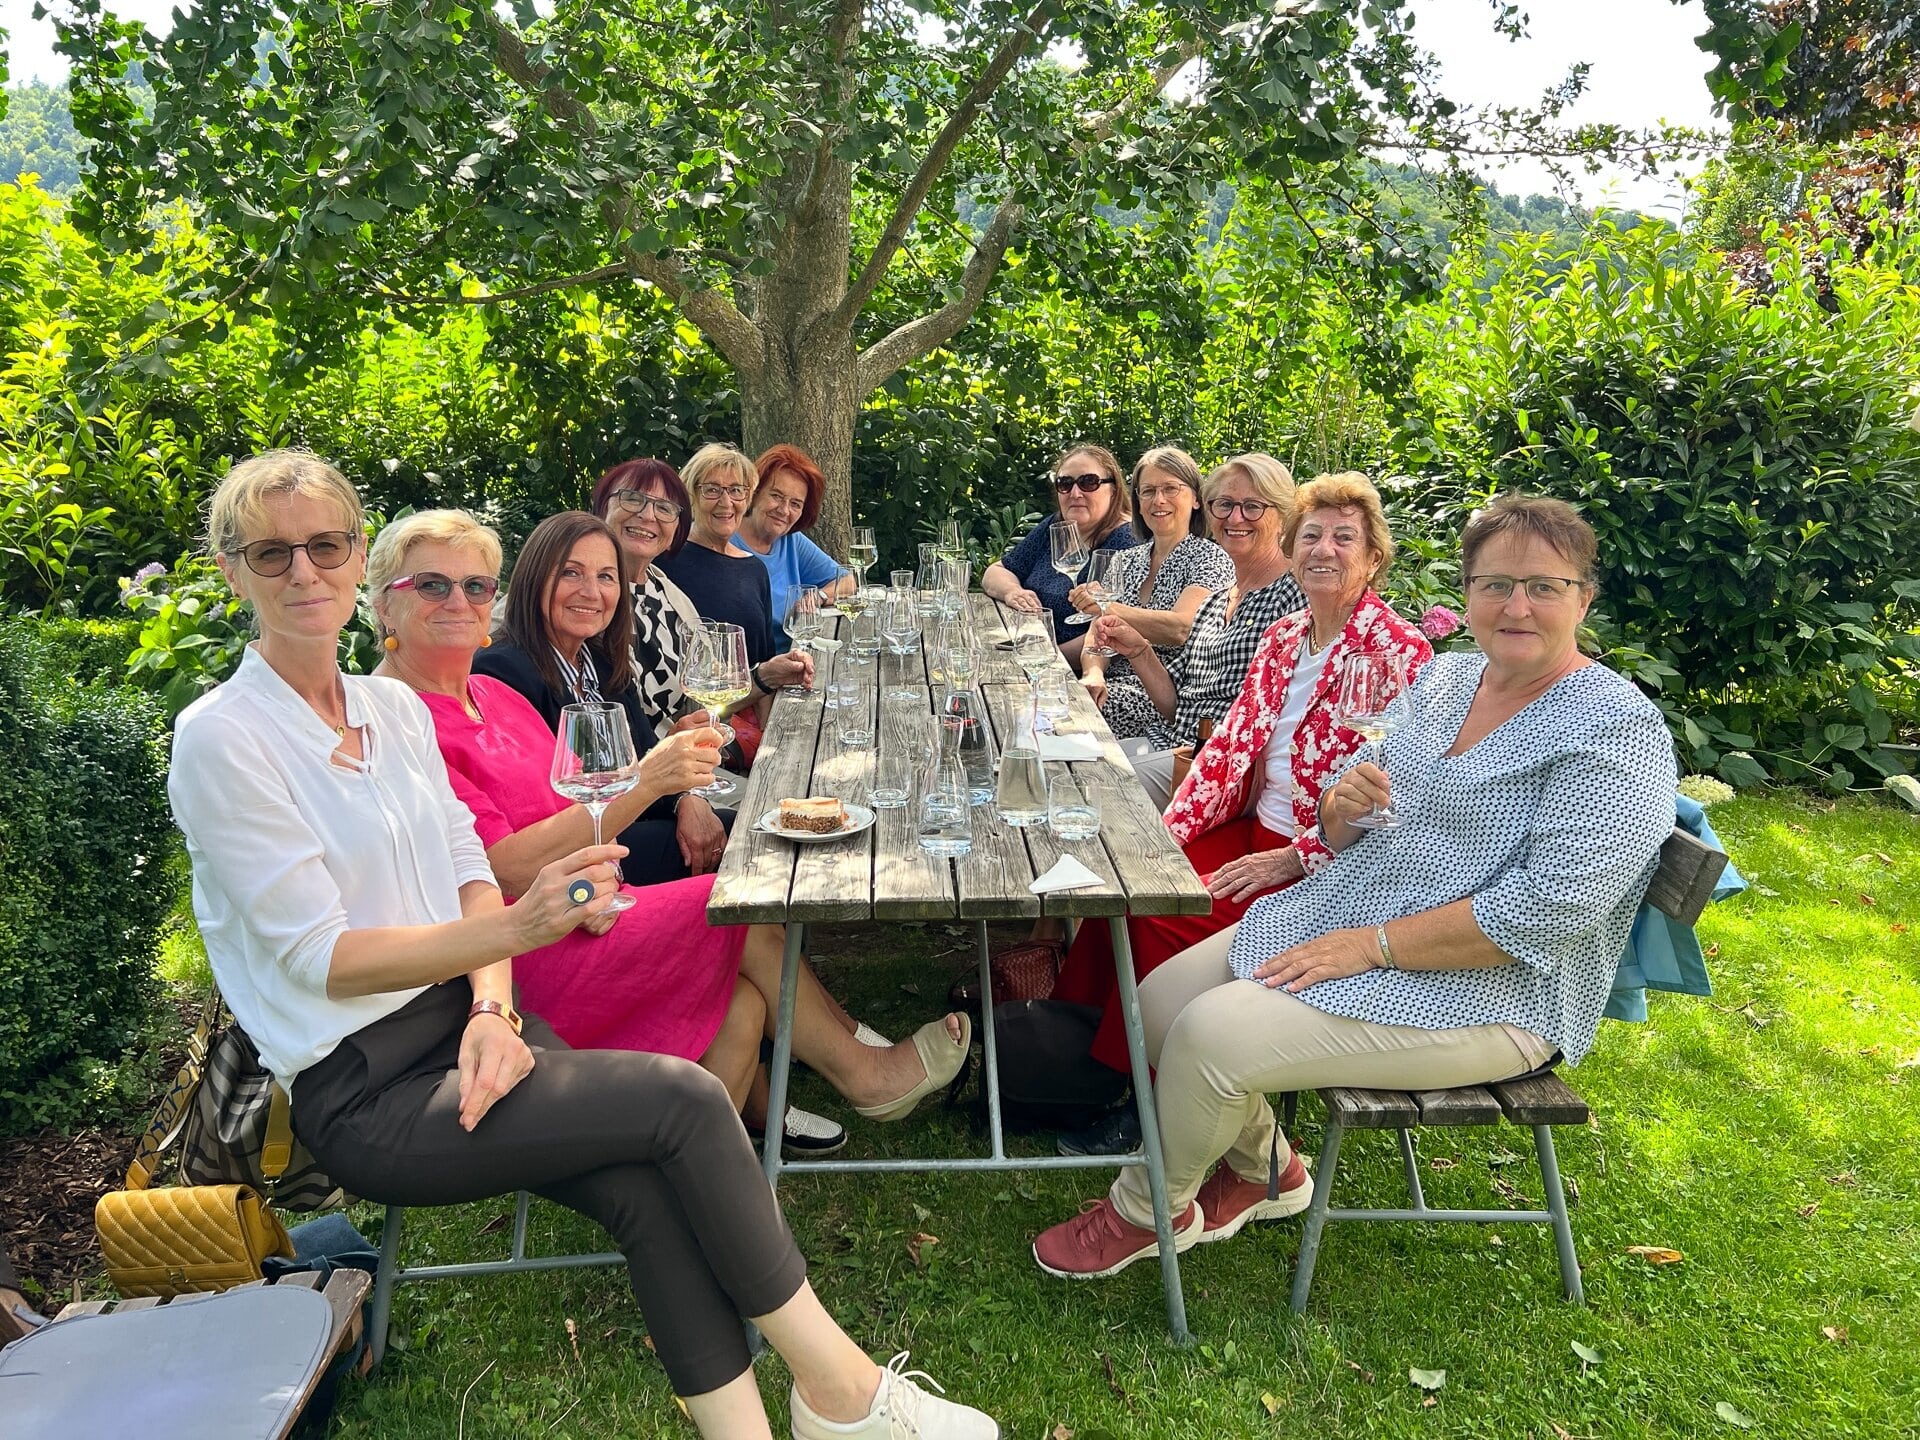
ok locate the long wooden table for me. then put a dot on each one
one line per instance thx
(883, 874)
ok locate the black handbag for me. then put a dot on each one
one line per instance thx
(1048, 1078)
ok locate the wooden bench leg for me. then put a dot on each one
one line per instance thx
(383, 1283)
(1557, 1208)
(1316, 1215)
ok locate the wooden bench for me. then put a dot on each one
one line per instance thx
(1681, 888)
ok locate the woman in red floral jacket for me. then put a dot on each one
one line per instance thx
(1245, 812)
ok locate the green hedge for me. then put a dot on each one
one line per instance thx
(85, 841)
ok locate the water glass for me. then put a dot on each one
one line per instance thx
(955, 576)
(854, 715)
(900, 580)
(864, 640)
(1072, 812)
(1035, 648)
(1052, 701)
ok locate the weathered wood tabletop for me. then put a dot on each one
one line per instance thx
(883, 874)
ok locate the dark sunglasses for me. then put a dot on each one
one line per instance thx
(1085, 484)
(328, 550)
(430, 585)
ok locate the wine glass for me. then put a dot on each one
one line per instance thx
(1100, 567)
(953, 654)
(861, 551)
(1069, 549)
(715, 675)
(802, 623)
(949, 543)
(1052, 702)
(1035, 650)
(594, 763)
(955, 574)
(900, 628)
(1372, 699)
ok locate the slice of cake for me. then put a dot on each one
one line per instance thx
(822, 816)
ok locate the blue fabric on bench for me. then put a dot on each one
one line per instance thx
(1663, 954)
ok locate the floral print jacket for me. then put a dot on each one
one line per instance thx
(1218, 785)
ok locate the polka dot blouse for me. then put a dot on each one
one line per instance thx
(1552, 823)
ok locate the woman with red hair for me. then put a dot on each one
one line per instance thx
(786, 502)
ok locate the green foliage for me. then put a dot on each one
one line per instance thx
(37, 137)
(85, 838)
(86, 651)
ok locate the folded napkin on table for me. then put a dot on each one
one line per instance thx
(1075, 746)
(1067, 874)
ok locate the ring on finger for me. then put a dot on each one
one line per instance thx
(580, 891)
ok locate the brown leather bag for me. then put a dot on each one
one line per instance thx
(1183, 754)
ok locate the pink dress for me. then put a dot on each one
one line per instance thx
(661, 979)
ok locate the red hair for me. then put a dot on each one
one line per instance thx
(795, 460)
(645, 475)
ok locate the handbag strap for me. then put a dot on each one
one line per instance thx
(171, 1113)
(276, 1150)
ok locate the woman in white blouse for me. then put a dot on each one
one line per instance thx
(1470, 945)
(354, 927)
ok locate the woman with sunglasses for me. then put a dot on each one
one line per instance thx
(356, 930)
(1248, 498)
(567, 638)
(1086, 483)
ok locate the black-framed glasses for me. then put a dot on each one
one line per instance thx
(432, 585)
(1222, 509)
(641, 503)
(1086, 484)
(1541, 589)
(327, 549)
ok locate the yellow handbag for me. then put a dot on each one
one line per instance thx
(176, 1239)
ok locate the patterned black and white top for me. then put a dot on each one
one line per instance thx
(1552, 823)
(656, 649)
(1194, 561)
(1207, 672)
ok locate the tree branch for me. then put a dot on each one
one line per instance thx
(914, 196)
(914, 339)
(495, 297)
(1102, 126)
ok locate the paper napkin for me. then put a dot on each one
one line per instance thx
(1066, 874)
(1075, 746)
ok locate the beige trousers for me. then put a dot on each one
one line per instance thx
(1219, 1044)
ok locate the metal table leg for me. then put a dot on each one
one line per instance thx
(782, 1064)
(1149, 1130)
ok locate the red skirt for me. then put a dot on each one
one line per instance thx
(1087, 978)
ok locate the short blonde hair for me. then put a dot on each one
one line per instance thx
(1346, 489)
(718, 455)
(386, 562)
(1271, 480)
(239, 505)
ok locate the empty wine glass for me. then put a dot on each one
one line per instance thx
(803, 622)
(1100, 567)
(594, 763)
(954, 654)
(1372, 699)
(715, 675)
(1035, 650)
(1069, 549)
(900, 628)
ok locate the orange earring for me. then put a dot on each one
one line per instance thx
(485, 641)
(392, 642)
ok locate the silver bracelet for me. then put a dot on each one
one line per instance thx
(1386, 950)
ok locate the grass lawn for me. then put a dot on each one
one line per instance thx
(1769, 1134)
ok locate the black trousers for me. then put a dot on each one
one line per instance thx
(653, 850)
(648, 1145)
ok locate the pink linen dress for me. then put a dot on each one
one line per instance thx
(661, 979)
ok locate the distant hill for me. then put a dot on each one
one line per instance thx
(37, 135)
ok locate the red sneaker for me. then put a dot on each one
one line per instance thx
(1230, 1203)
(1099, 1242)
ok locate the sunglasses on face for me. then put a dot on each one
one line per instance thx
(430, 585)
(641, 503)
(1085, 484)
(328, 550)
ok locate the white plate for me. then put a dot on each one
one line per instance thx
(859, 818)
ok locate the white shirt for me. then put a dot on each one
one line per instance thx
(1275, 810)
(290, 848)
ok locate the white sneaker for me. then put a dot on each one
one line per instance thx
(901, 1411)
(867, 1035)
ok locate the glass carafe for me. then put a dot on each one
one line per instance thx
(1020, 795)
(944, 821)
(962, 706)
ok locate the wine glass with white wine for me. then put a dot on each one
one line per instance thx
(862, 552)
(1372, 699)
(715, 675)
(594, 763)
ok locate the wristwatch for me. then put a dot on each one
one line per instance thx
(494, 1007)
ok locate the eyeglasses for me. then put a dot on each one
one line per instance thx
(1085, 484)
(712, 494)
(641, 503)
(327, 549)
(1541, 589)
(430, 585)
(1154, 494)
(1252, 509)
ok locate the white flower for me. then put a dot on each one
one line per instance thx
(1706, 789)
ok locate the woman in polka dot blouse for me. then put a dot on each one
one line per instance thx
(1472, 944)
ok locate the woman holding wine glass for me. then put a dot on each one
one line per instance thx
(1475, 943)
(567, 638)
(1086, 481)
(355, 928)
(660, 978)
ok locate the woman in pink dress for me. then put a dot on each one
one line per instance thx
(655, 977)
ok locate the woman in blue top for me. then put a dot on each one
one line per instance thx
(785, 503)
(1088, 481)
(1475, 943)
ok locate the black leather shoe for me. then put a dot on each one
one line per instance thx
(1115, 1133)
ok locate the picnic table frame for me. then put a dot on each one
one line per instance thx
(884, 875)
